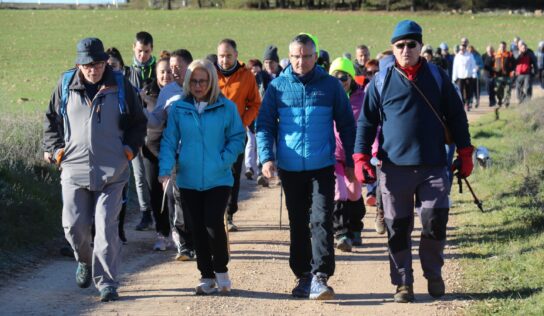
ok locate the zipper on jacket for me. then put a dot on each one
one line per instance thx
(304, 127)
(202, 136)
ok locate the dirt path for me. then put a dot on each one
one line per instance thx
(153, 283)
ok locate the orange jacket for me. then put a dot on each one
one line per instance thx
(241, 88)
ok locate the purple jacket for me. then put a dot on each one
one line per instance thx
(356, 101)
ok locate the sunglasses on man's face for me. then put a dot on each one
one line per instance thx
(371, 72)
(342, 78)
(410, 45)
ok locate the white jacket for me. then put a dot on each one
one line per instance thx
(464, 66)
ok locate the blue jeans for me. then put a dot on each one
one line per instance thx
(309, 197)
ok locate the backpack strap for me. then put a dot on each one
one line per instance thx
(120, 80)
(65, 89)
(67, 77)
(385, 64)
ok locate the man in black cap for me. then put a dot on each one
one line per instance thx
(93, 127)
(413, 101)
(271, 61)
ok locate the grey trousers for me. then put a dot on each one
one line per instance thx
(142, 189)
(426, 189)
(79, 207)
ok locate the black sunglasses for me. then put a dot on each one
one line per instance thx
(343, 78)
(410, 45)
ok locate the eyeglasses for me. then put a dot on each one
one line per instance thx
(371, 72)
(409, 45)
(342, 78)
(201, 82)
(96, 64)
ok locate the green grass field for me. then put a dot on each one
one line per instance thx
(502, 250)
(39, 45)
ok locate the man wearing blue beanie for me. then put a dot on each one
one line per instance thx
(416, 106)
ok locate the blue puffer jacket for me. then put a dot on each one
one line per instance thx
(298, 119)
(209, 143)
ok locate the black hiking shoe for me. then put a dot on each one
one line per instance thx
(83, 275)
(436, 287)
(249, 174)
(304, 284)
(109, 293)
(146, 222)
(404, 294)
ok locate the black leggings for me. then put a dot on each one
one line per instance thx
(151, 165)
(206, 211)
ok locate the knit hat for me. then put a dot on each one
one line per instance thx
(407, 29)
(90, 50)
(271, 53)
(343, 64)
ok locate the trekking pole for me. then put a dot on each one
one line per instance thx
(477, 201)
(164, 196)
(227, 232)
(460, 183)
(281, 203)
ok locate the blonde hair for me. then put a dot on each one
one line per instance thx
(213, 84)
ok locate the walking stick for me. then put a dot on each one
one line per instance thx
(476, 200)
(477, 91)
(227, 232)
(164, 195)
(281, 203)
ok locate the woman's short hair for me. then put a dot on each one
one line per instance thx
(213, 84)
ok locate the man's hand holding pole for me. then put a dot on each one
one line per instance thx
(364, 172)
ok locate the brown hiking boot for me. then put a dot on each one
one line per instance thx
(405, 294)
(436, 287)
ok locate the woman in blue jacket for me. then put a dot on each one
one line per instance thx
(207, 132)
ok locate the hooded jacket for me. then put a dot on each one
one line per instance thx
(298, 118)
(356, 101)
(209, 143)
(94, 151)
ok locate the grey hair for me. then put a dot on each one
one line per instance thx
(213, 84)
(303, 40)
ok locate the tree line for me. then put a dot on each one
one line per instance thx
(387, 5)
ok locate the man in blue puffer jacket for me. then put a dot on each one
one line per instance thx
(297, 116)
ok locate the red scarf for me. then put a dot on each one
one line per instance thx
(410, 71)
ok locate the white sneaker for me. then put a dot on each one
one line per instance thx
(161, 243)
(205, 287)
(223, 282)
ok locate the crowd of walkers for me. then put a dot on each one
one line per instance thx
(188, 128)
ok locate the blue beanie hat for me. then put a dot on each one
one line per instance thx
(407, 29)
